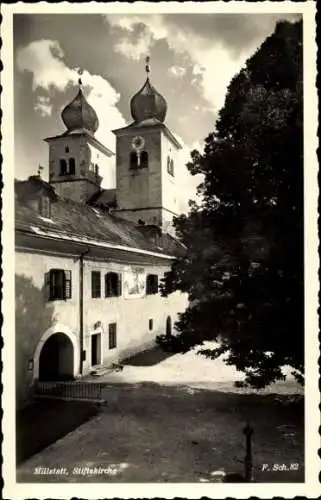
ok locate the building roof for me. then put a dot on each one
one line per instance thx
(82, 133)
(148, 103)
(79, 114)
(149, 124)
(104, 198)
(74, 222)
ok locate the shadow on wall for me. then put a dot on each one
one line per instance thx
(34, 315)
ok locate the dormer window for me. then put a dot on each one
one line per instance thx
(44, 207)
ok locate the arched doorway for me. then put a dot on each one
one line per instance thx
(56, 360)
(169, 326)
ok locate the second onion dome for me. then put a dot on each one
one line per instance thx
(147, 102)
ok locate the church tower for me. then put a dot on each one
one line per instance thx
(146, 161)
(76, 157)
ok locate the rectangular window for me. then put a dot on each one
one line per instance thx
(112, 332)
(95, 285)
(113, 285)
(151, 284)
(59, 284)
(151, 324)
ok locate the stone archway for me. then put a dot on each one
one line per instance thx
(56, 360)
(57, 355)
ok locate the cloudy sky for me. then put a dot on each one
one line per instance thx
(193, 58)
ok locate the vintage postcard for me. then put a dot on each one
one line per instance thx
(160, 250)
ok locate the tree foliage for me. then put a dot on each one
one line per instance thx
(243, 267)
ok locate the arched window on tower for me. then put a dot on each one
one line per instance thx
(63, 167)
(144, 159)
(170, 166)
(133, 160)
(72, 166)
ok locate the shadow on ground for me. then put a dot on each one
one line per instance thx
(149, 357)
(45, 421)
(170, 434)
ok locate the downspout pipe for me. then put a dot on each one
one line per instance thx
(81, 309)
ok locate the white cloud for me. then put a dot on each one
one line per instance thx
(214, 64)
(177, 71)
(43, 106)
(135, 49)
(44, 60)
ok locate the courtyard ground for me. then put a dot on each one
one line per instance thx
(180, 419)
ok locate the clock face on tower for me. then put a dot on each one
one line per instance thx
(138, 143)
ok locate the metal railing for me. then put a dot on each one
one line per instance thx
(78, 390)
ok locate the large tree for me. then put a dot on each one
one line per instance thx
(243, 267)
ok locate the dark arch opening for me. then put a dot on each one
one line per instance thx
(144, 159)
(63, 167)
(168, 326)
(56, 361)
(72, 166)
(133, 160)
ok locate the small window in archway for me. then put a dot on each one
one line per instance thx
(112, 285)
(66, 149)
(72, 166)
(133, 160)
(63, 167)
(144, 159)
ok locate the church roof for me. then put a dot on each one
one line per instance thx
(150, 123)
(148, 103)
(78, 114)
(73, 222)
(83, 133)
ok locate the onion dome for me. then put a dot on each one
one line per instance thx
(148, 103)
(79, 114)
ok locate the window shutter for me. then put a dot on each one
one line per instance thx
(67, 284)
(106, 285)
(47, 287)
(119, 285)
(52, 284)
